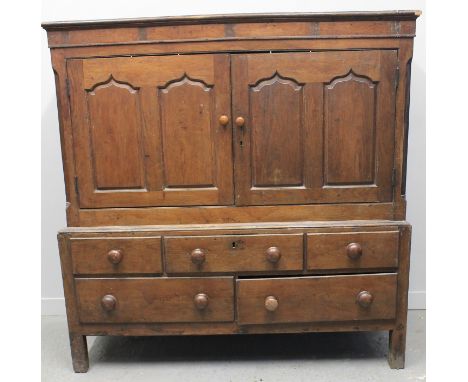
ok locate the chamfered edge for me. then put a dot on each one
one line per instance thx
(231, 18)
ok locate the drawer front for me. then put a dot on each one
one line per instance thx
(116, 255)
(320, 298)
(155, 300)
(234, 253)
(352, 250)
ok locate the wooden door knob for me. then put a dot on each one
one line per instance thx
(115, 256)
(108, 302)
(197, 256)
(354, 250)
(201, 301)
(273, 254)
(240, 121)
(271, 303)
(223, 120)
(364, 299)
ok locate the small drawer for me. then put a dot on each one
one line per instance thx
(132, 300)
(317, 298)
(352, 251)
(234, 253)
(116, 255)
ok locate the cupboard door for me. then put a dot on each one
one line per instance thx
(318, 127)
(147, 130)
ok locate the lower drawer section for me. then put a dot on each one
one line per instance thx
(132, 300)
(321, 298)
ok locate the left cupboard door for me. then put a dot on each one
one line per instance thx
(152, 131)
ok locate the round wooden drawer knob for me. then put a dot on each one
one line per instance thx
(271, 303)
(223, 120)
(115, 256)
(240, 122)
(354, 251)
(108, 302)
(364, 299)
(201, 301)
(273, 254)
(197, 256)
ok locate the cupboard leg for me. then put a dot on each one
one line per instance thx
(396, 348)
(79, 353)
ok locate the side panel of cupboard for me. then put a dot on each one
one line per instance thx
(319, 126)
(147, 131)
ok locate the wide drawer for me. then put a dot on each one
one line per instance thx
(116, 255)
(234, 253)
(318, 298)
(155, 300)
(352, 250)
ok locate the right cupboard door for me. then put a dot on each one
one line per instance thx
(314, 127)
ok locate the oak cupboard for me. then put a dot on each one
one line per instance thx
(235, 174)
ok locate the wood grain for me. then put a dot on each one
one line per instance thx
(186, 108)
(276, 134)
(221, 328)
(155, 299)
(170, 149)
(237, 228)
(274, 25)
(342, 137)
(241, 253)
(322, 298)
(139, 255)
(245, 17)
(328, 251)
(200, 215)
(212, 146)
(397, 338)
(116, 135)
(349, 131)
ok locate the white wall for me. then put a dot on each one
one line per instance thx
(53, 191)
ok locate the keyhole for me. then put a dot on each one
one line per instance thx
(234, 245)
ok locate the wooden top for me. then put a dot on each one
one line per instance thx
(239, 226)
(231, 18)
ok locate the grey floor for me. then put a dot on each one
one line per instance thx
(260, 358)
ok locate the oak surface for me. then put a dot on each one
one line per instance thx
(116, 256)
(321, 298)
(164, 146)
(155, 300)
(232, 174)
(332, 250)
(319, 129)
(234, 253)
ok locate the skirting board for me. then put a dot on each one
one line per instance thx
(55, 306)
(417, 299)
